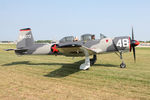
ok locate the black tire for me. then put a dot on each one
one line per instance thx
(122, 65)
(87, 69)
(93, 60)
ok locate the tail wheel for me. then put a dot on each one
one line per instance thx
(53, 48)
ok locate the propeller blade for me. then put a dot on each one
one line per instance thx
(134, 54)
(134, 43)
(132, 34)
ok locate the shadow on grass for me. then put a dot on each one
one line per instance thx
(30, 63)
(66, 69)
(106, 65)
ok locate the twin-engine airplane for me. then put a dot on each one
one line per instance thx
(69, 46)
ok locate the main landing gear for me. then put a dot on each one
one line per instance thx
(122, 65)
(86, 65)
(88, 62)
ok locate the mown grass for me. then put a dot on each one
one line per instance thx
(47, 77)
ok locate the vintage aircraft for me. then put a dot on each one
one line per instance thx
(68, 46)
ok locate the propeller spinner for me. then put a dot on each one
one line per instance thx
(133, 44)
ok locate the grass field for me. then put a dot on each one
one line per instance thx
(50, 77)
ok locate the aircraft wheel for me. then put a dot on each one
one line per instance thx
(87, 69)
(122, 65)
(92, 62)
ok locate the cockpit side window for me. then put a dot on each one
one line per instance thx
(69, 39)
(87, 37)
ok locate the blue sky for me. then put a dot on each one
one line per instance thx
(53, 19)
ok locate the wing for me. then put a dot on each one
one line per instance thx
(75, 50)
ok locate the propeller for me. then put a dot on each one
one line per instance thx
(134, 43)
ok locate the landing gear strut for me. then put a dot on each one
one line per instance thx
(122, 65)
(93, 60)
(86, 64)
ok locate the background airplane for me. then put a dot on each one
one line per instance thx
(69, 46)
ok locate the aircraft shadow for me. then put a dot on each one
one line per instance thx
(66, 69)
(106, 65)
(30, 63)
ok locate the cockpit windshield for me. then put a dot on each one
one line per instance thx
(67, 39)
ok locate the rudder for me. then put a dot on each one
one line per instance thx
(25, 39)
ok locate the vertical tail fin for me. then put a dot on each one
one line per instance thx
(25, 39)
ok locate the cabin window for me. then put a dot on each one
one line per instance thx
(87, 37)
(67, 39)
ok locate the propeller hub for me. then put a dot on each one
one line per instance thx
(134, 43)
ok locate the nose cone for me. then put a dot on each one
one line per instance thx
(136, 43)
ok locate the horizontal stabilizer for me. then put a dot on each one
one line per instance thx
(9, 49)
(18, 51)
(21, 51)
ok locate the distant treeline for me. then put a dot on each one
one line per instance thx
(43, 41)
(6, 41)
(50, 41)
(144, 41)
